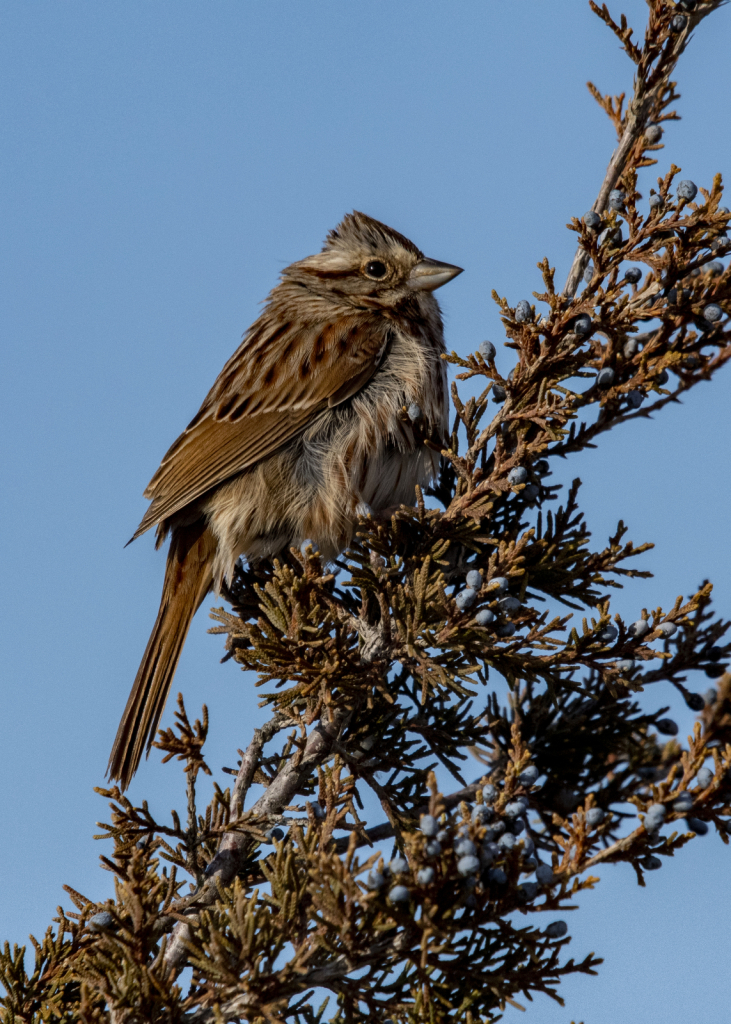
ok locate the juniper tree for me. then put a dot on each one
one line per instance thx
(383, 674)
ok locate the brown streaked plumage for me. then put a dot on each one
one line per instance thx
(300, 430)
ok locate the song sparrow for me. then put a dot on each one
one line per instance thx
(302, 429)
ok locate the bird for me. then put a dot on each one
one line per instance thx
(302, 432)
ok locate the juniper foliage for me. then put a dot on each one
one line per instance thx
(376, 671)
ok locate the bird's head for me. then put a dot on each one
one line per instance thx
(365, 263)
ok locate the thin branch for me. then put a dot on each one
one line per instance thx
(250, 762)
(646, 99)
(236, 847)
(386, 831)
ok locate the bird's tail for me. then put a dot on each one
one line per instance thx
(188, 578)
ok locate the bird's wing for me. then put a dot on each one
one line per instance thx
(275, 383)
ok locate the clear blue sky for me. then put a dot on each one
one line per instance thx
(161, 163)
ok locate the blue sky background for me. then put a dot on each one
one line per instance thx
(162, 162)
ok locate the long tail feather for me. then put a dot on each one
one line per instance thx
(188, 578)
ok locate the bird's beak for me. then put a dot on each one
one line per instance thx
(430, 274)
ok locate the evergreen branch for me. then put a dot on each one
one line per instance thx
(656, 62)
(235, 848)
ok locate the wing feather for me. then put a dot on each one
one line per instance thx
(278, 380)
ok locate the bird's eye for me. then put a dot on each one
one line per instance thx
(376, 269)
